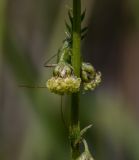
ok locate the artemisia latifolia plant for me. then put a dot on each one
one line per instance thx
(72, 76)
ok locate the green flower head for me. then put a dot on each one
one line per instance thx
(90, 78)
(87, 72)
(88, 67)
(63, 80)
(93, 83)
(68, 85)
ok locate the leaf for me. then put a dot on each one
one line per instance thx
(83, 15)
(83, 131)
(83, 36)
(70, 17)
(85, 29)
(68, 27)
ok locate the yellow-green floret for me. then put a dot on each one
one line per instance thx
(92, 84)
(68, 85)
(90, 78)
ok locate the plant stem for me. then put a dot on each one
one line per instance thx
(76, 50)
(76, 63)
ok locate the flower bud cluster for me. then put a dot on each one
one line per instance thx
(90, 78)
(63, 80)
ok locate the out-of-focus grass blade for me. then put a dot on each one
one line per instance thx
(22, 66)
(2, 17)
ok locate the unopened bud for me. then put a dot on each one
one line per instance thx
(87, 72)
(91, 85)
(62, 70)
(88, 67)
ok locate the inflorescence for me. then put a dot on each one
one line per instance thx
(63, 80)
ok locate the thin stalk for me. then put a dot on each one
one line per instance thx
(76, 63)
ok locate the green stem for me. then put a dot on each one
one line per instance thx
(76, 63)
(76, 42)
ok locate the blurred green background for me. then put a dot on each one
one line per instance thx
(31, 128)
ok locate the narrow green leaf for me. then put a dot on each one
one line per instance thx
(68, 27)
(83, 36)
(83, 15)
(70, 17)
(84, 130)
(85, 29)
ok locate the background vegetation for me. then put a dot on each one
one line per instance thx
(30, 122)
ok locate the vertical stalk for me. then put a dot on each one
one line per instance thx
(76, 63)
